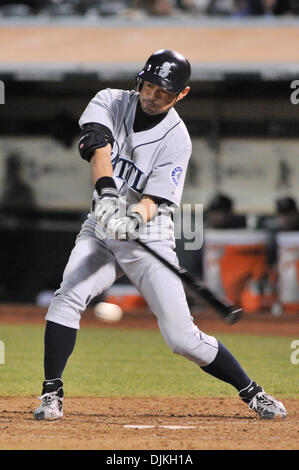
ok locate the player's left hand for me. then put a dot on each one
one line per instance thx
(125, 228)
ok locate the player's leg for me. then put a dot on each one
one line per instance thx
(165, 296)
(179, 331)
(164, 293)
(91, 269)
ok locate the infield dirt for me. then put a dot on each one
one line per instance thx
(149, 423)
(121, 424)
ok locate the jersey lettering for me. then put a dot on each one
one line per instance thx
(127, 171)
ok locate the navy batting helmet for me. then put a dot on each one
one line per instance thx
(167, 69)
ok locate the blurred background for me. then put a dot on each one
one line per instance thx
(242, 115)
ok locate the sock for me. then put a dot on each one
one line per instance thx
(250, 391)
(225, 367)
(59, 342)
(54, 385)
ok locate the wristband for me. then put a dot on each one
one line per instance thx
(104, 182)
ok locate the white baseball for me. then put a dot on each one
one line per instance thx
(108, 312)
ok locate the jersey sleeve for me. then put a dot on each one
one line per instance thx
(167, 177)
(99, 109)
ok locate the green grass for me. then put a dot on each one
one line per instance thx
(111, 362)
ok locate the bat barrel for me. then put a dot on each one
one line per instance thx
(229, 312)
(233, 316)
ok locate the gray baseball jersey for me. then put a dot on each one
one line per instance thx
(152, 162)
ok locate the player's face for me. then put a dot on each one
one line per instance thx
(157, 100)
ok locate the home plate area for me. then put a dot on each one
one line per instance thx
(166, 423)
(146, 426)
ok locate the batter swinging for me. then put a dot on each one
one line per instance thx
(138, 149)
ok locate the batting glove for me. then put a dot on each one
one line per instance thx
(106, 204)
(125, 228)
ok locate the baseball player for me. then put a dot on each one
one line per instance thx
(138, 150)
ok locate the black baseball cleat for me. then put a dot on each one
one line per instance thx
(52, 401)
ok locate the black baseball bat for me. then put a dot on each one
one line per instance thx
(226, 309)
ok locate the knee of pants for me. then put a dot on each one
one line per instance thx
(66, 309)
(199, 348)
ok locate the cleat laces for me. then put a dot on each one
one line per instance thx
(267, 407)
(51, 400)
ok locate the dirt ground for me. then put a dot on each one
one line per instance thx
(150, 423)
(146, 424)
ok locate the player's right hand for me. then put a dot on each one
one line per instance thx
(126, 227)
(106, 206)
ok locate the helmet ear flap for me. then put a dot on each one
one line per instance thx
(139, 83)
